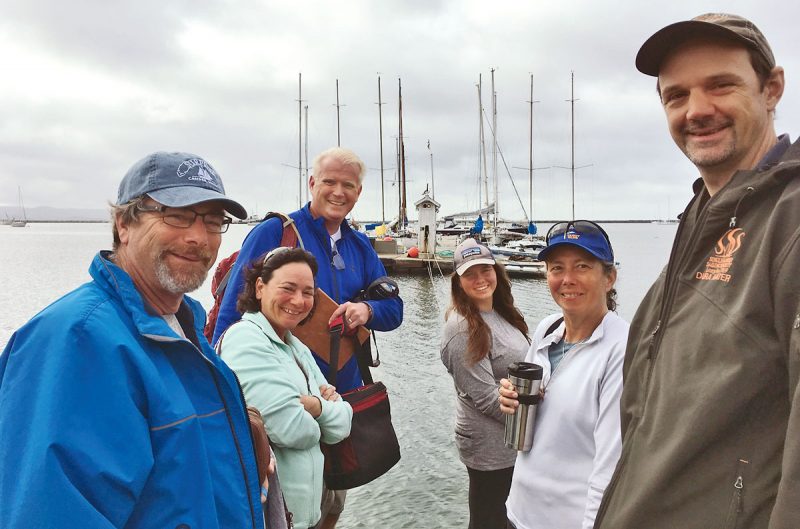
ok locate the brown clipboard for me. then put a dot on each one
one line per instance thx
(314, 332)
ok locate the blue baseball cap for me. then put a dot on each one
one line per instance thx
(176, 179)
(584, 234)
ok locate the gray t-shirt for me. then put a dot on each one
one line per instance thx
(479, 421)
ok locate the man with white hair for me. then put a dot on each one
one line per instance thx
(347, 266)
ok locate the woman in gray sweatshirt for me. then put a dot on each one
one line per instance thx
(483, 333)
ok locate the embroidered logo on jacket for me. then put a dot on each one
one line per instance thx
(718, 264)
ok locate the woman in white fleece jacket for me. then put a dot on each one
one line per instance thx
(576, 443)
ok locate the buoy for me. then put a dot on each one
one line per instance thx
(413, 252)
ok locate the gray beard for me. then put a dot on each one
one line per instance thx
(176, 284)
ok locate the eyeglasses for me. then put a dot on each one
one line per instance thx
(581, 226)
(185, 218)
(272, 253)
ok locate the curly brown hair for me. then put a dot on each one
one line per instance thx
(479, 340)
(264, 267)
(611, 295)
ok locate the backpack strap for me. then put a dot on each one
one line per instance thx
(290, 238)
(228, 262)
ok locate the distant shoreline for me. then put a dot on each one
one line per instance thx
(546, 221)
(72, 221)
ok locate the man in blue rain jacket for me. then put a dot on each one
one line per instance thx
(114, 410)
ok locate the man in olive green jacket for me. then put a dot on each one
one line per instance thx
(711, 402)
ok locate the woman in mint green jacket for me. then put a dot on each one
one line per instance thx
(280, 377)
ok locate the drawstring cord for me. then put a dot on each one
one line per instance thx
(732, 223)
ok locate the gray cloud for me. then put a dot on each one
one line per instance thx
(94, 86)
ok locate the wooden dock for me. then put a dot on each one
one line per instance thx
(401, 264)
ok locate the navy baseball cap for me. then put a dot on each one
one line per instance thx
(584, 234)
(176, 179)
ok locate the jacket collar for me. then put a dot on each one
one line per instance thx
(319, 224)
(117, 283)
(733, 201)
(265, 326)
(558, 333)
(768, 173)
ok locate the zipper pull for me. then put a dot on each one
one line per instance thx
(650, 350)
(738, 485)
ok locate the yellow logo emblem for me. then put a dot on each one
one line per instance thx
(719, 264)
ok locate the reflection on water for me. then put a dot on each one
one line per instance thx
(428, 488)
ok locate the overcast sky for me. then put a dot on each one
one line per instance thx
(89, 87)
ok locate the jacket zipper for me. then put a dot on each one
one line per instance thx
(329, 253)
(739, 485)
(211, 369)
(737, 503)
(569, 354)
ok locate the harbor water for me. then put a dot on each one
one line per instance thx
(428, 488)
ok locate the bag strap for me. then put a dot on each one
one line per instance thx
(335, 330)
(362, 352)
(554, 326)
(364, 359)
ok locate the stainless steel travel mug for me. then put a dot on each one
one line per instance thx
(527, 378)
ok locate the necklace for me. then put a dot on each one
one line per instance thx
(566, 346)
(561, 353)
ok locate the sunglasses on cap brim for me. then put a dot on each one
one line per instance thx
(581, 226)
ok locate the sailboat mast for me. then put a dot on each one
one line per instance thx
(484, 181)
(399, 192)
(530, 159)
(494, 149)
(433, 187)
(300, 138)
(22, 204)
(380, 141)
(572, 136)
(338, 131)
(402, 156)
(305, 108)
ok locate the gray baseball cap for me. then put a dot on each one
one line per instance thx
(176, 179)
(721, 25)
(470, 253)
